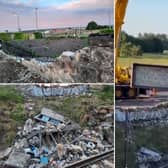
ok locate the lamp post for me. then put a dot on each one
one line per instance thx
(17, 20)
(36, 18)
(110, 17)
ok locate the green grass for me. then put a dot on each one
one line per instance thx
(157, 59)
(12, 114)
(9, 93)
(18, 113)
(106, 94)
(106, 31)
(75, 108)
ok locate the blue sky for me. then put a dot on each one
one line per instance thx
(54, 13)
(146, 16)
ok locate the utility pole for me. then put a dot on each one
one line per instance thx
(36, 18)
(17, 20)
(110, 18)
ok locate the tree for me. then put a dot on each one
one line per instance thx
(92, 25)
(38, 35)
(130, 50)
(148, 42)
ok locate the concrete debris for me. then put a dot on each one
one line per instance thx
(146, 155)
(87, 65)
(68, 54)
(13, 71)
(108, 164)
(28, 126)
(18, 159)
(4, 154)
(146, 158)
(95, 64)
(53, 141)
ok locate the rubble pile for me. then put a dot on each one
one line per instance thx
(95, 64)
(101, 120)
(13, 71)
(59, 71)
(51, 140)
(90, 64)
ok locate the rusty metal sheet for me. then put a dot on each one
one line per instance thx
(149, 76)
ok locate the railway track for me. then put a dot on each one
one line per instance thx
(91, 160)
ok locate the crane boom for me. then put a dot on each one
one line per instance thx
(120, 10)
(122, 75)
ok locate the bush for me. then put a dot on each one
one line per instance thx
(38, 35)
(5, 36)
(19, 36)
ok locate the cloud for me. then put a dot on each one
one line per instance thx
(86, 4)
(71, 13)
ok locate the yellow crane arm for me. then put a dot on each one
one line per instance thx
(122, 74)
(120, 10)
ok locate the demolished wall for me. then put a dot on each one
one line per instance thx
(40, 91)
(157, 112)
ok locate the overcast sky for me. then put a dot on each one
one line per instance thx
(146, 16)
(54, 13)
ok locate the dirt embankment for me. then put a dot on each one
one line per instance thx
(45, 47)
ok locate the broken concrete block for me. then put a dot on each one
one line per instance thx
(28, 126)
(18, 159)
(4, 154)
(60, 151)
(146, 155)
(108, 164)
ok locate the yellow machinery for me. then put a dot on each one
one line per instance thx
(122, 76)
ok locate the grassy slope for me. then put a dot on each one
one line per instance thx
(76, 107)
(12, 114)
(160, 59)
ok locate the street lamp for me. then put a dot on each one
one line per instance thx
(17, 20)
(109, 17)
(36, 17)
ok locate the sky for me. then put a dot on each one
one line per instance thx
(146, 16)
(54, 13)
